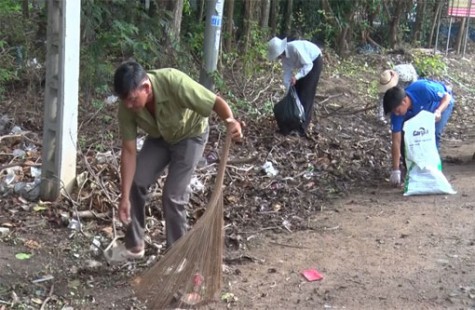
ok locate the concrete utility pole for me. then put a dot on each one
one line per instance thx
(61, 98)
(214, 18)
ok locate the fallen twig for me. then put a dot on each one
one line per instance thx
(21, 135)
(289, 245)
(22, 164)
(90, 214)
(48, 298)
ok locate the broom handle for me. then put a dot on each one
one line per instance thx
(221, 169)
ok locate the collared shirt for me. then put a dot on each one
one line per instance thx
(182, 107)
(407, 74)
(425, 95)
(299, 55)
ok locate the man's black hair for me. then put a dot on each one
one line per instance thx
(128, 77)
(393, 98)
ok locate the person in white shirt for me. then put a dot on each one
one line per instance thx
(401, 75)
(302, 64)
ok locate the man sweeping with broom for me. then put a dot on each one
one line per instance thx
(173, 110)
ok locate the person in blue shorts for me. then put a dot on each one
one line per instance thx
(403, 104)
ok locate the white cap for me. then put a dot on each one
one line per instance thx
(275, 47)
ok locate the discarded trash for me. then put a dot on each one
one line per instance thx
(196, 185)
(140, 142)
(310, 172)
(43, 279)
(11, 175)
(39, 208)
(269, 169)
(23, 256)
(312, 275)
(30, 191)
(228, 297)
(287, 225)
(16, 130)
(95, 247)
(74, 225)
(82, 178)
(18, 153)
(4, 231)
(105, 157)
(212, 157)
(35, 172)
(111, 99)
(92, 264)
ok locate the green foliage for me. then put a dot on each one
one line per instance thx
(8, 70)
(194, 39)
(257, 49)
(429, 66)
(15, 44)
(126, 31)
(10, 6)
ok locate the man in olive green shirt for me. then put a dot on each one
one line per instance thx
(173, 110)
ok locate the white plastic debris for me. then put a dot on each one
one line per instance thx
(140, 142)
(104, 157)
(196, 185)
(11, 174)
(96, 246)
(16, 130)
(18, 153)
(269, 169)
(74, 225)
(35, 172)
(81, 179)
(92, 264)
(111, 99)
(4, 231)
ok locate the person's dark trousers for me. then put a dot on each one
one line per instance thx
(155, 155)
(306, 88)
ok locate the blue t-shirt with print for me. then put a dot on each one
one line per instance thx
(425, 95)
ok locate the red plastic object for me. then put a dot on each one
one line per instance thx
(312, 275)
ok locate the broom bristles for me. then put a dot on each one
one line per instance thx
(193, 265)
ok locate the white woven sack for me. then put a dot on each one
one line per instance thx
(424, 167)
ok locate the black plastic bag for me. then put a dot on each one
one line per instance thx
(289, 112)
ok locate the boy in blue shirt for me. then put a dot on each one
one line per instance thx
(406, 103)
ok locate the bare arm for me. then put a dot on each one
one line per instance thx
(224, 112)
(127, 167)
(444, 103)
(396, 149)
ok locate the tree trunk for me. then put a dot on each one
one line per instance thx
(398, 10)
(288, 18)
(417, 34)
(460, 35)
(201, 12)
(265, 9)
(25, 9)
(437, 12)
(228, 25)
(176, 7)
(273, 17)
(248, 17)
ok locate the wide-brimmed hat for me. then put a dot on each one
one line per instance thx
(275, 47)
(387, 80)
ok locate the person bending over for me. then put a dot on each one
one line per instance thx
(173, 110)
(403, 104)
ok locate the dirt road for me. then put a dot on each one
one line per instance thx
(376, 250)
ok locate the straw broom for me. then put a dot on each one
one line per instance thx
(190, 273)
